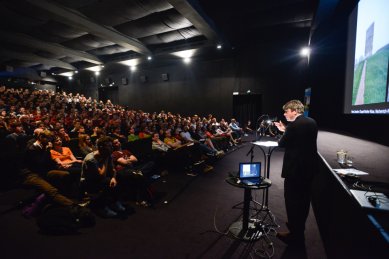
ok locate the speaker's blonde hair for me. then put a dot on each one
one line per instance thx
(294, 105)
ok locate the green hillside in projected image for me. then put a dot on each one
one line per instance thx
(375, 77)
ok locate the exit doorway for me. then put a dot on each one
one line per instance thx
(247, 107)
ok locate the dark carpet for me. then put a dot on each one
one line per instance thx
(190, 220)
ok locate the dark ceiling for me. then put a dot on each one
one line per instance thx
(67, 35)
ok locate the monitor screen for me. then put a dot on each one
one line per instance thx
(249, 170)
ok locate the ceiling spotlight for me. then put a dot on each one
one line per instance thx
(70, 77)
(132, 68)
(185, 53)
(187, 60)
(219, 46)
(97, 73)
(76, 72)
(305, 51)
(248, 91)
(149, 58)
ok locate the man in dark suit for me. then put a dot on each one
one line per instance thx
(299, 166)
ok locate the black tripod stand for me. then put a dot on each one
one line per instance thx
(253, 228)
(249, 196)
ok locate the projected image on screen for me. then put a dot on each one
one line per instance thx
(367, 84)
(371, 53)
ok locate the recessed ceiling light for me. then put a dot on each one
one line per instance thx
(187, 60)
(305, 52)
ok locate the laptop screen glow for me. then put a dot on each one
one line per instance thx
(249, 170)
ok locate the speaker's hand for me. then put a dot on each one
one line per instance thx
(280, 126)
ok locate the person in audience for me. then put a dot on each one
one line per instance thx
(98, 176)
(182, 154)
(3, 127)
(132, 136)
(116, 134)
(187, 138)
(144, 132)
(197, 134)
(88, 125)
(248, 128)
(85, 144)
(17, 138)
(80, 131)
(218, 132)
(177, 133)
(39, 170)
(35, 135)
(63, 135)
(64, 158)
(172, 141)
(26, 124)
(234, 126)
(216, 140)
(159, 145)
(299, 166)
(97, 133)
(74, 131)
(130, 170)
(163, 156)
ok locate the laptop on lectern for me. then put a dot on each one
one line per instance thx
(250, 173)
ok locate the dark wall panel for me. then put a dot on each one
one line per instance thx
(201, 87)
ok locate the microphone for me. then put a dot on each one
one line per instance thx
(271, 121)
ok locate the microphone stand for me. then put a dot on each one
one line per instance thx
(251, 153)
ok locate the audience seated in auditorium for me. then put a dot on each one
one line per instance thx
(187, 138)
(65, 112)
(198, 135)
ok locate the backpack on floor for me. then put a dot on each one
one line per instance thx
(64, 220)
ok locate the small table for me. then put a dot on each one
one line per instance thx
(243, 229)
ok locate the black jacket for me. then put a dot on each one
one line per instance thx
(299, 141)
(38, 160)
